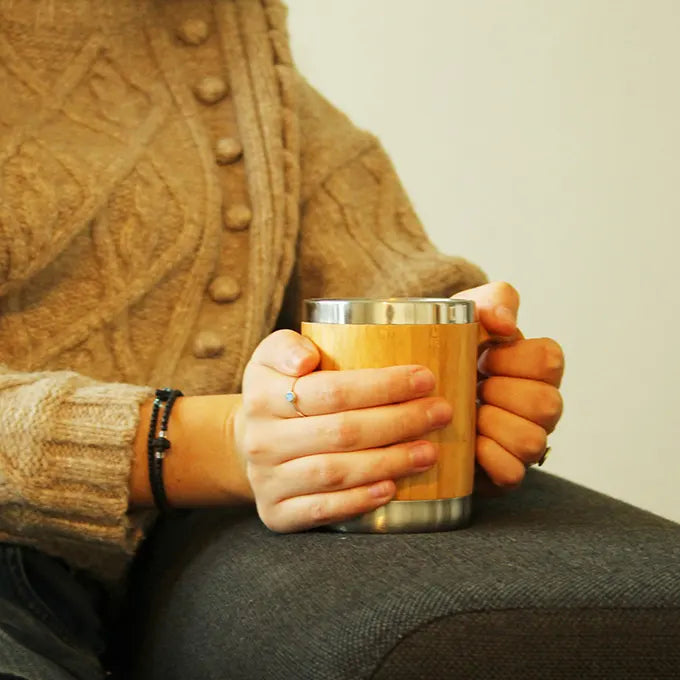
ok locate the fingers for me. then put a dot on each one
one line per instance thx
(485, 487)
(522, 438)
(521, 406)
(287, 352)
(535, 359)
(341, 460)
(313, 510)
(503, 468)
(497, 304)
(326, 392)
(536, 401)
(337, 471)
(348, 431)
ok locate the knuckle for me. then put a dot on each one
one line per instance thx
(253, 446)
(411, 420)
(280, 343)
(334, 397)
(253, 403)
(380, 465)
(549, 405)
(532, 442)
(506, 289)
(319, 512)
(422, 422)
(408, 421)
(553, 357)
(344, 434)
(271, 347)
(329, 475)
(505, 471)
(395, 385)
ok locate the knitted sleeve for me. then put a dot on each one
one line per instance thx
(65, 457)
(359, 234)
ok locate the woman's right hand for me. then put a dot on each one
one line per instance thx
(341, 459)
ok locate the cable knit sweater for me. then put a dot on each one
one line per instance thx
(169, 188)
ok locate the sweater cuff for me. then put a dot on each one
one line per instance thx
(79, 497)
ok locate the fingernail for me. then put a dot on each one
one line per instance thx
(381, 490)
(505, 314)
(422, 380)
(439, 413)
(423, 454)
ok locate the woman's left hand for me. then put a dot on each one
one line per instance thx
(518, 391)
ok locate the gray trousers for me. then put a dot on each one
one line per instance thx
(553, 581)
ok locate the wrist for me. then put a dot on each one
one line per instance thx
(238, 483)
(202, 467)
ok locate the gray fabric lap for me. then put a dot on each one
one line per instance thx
(242, 602)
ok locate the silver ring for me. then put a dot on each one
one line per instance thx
(292, 398)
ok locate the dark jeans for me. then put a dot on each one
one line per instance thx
(58, 624)
(50, 623)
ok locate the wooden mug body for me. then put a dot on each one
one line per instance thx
(450, 352)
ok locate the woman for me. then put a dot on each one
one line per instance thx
(171, 191)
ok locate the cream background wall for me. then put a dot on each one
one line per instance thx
(541, 139)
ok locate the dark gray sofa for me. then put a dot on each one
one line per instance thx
(551, 581)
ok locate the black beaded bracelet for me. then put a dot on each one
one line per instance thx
(158, 446)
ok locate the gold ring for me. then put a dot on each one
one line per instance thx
(292, 398)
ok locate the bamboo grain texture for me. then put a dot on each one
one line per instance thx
(450, 352)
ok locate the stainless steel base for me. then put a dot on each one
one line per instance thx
(411, 517)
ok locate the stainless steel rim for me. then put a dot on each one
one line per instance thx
(389, 311)
(411, 517)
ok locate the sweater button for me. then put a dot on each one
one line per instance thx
(224, 289)
(208, 344)
(237, 217)
(193, 32)
(227, 150)
(211, 89)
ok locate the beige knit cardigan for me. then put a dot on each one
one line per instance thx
(169, 188)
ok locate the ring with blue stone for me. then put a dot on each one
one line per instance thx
(292, 398)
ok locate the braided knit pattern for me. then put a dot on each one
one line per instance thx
(290, 139)
(125, 256)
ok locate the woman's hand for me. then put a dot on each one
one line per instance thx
(520, 402)
(341, 459)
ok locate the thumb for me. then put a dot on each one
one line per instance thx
(287, 352)
(496, 306)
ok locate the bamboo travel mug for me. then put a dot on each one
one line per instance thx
(440, 334)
